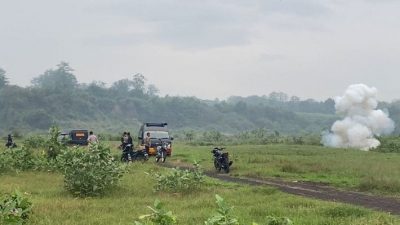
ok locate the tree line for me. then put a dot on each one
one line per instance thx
(57, 97)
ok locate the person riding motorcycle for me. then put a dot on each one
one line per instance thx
(217, 153)
(221, 159)
(10, 143)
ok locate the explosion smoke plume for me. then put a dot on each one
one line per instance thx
(362, 121)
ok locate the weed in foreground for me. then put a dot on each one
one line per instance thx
(159, 216)
(223, 216)
(15, 209)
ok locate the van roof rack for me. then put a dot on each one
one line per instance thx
(156, 124)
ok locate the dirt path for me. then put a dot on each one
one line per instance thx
(313, 190)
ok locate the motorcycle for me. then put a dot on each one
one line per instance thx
(11, 145)
(127, 153)
(221, 160)
(140, 155)
(162, 151)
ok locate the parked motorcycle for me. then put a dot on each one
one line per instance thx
(140, 155)
(162, 151)
(221, 159)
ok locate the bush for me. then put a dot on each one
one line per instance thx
(16, 159)
(159, 216)
(89, 172)
(53, 146)
(15, 209)
(179, 180)
(34, 142)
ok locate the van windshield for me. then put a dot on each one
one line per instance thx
(159, 134)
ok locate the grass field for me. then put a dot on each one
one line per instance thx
(53, 205)
(127, 201)
(346, 168)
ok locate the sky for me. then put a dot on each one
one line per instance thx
(209, 48)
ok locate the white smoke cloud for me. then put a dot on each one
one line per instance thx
(362, 121)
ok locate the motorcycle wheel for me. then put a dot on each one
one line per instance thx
(163, 157)
(124, 158)
(216, 164)
(226, 169)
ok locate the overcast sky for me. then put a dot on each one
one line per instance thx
(209, 48)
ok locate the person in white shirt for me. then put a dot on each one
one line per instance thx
(92, 138)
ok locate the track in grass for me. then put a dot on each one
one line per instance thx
(314, 190)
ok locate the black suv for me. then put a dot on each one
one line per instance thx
(158, 133)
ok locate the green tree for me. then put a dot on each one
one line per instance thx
(61, 79)
(138, 84)
(3, 78)
(152, 90)
(38, 119)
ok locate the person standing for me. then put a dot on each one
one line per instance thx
(92, 138)
(147, 142)
(10, 143)
(130, 140)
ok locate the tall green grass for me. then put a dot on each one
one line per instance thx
(122, 205)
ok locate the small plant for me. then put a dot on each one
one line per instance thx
(15, 209)
(278, 221)
(180, 180)
(223, 217)
(89, 172)
(159, 216)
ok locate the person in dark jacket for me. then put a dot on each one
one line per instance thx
(130, 140)
(10, 143)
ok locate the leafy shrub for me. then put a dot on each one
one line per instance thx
(34, 142)
(15, 208)
(390, 147)
(159, 216)
(223, 216)
(89, 172)
(53, 146)
(179, 180)
(16, 159)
